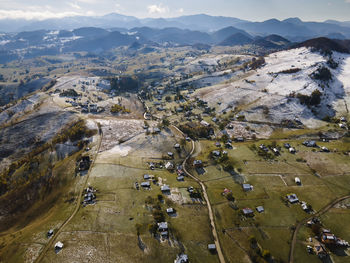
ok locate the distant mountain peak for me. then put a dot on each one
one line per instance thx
(293, 20)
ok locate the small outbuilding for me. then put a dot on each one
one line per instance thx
(248, 212)
(165, 188)
(180, 178)
(260, 209)
(170, 210)
(292, 198)
(58, 247)
(146, 184)
(212, 247)
(50, 233)
(163, 226)
(247, 187)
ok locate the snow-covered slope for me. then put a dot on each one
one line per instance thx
(276, 84)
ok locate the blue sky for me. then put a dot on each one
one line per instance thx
(256, 10)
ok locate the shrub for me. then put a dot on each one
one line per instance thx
(118, 108)
(313, 100)
(124, 84)
(266, 254)
(323, 74)
(69, 93)
(332, 64)
(230, 197)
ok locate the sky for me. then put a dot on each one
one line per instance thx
(253, 10)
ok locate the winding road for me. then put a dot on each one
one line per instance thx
(77, 207)
(210, 210)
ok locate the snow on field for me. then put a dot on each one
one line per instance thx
(120, 150)
(269, 86)
(344, 71)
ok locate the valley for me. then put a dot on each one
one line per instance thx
(157, 153)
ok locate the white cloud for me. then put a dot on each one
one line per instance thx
(157, 9)
(74, 5)
(88, 1)
(34, 15)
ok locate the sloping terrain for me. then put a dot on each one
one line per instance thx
(276, 85)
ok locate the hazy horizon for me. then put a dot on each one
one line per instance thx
(253, 10)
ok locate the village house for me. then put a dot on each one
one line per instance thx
(165, 188)
(169, 166)
(170, 210)
(310, 144)
(247, 187)
(320, 250)
(275, 151)
(204, 123)
(263, 147)
(152, 166)
(292, 150)
(146, 184)
(324, 149)
(58, 246)
(292, 198)
(212, 247)
(287, 146)
(183, 258)
(50, 233)
(247, 212)
(180, 178)
(228, 145)
(260, 209)
(216, 153)
(162, 226)
(327, 237)
(84, 163)
(197, 163)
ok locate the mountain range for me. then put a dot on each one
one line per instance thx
(293, 29)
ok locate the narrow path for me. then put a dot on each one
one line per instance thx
(49, 244)
(210, 210)
(301, 223)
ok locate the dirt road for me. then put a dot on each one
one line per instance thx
(210, 210)
(49, 244)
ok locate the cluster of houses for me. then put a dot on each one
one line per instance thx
(86, 107)
(289, 148)
(180, 174)
(89, 196)
(342, 123)
(325, 239)
(313, 144)
(265, 149)
(146, 184)
(293, 199)
(248, 212)
(163, 230)
(218, 153)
